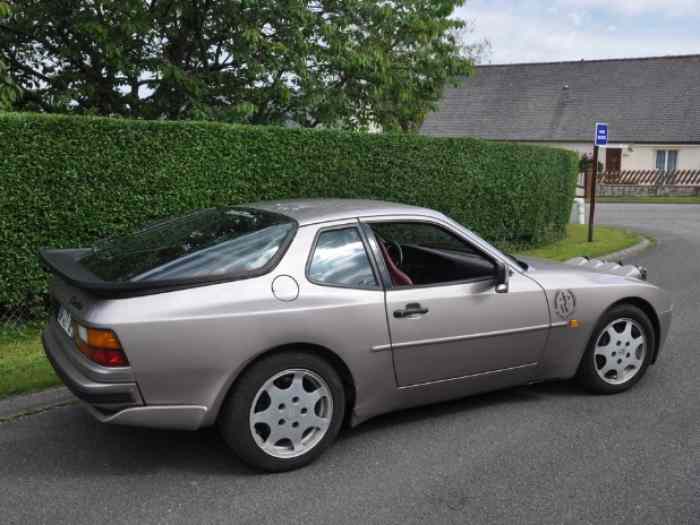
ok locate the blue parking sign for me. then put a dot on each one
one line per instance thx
(601, 134)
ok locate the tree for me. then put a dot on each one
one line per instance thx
(8, 89)
(350, 63)
(478, 52)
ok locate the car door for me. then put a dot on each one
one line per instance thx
(450, 322)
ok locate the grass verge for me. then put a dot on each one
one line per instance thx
(606, 240)
(651, 200)
(23, 366)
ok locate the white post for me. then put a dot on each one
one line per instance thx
(580, 210)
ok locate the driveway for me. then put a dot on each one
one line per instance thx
(543, 454)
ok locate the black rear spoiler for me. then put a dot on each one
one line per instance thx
(66, 265)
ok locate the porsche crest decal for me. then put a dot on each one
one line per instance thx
(565, 304)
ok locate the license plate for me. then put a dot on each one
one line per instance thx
(65, 319)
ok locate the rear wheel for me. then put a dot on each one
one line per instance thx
(284, 411)
(619, 352)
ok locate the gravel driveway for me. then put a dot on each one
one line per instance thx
(543, 454)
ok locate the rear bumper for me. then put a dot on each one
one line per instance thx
(110, 399)
(180, 417)
(79, 377)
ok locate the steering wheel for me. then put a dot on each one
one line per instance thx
(395, 247)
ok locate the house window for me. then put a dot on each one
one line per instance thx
(666, 160)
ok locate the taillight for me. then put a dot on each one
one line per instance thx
(100, 346)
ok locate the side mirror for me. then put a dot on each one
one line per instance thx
(502, 276)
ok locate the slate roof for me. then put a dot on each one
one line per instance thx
(646, 100)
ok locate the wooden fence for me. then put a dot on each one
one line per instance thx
(651, 177)
(649, 182)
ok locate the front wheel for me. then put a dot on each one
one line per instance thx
(284, 411)
(619, 352)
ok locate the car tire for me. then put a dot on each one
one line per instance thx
(613, 361)
(284, 411)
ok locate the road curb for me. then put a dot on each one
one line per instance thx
(629, 252)
(27, 404)
(638, 248)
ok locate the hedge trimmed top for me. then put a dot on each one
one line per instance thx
(67, 181)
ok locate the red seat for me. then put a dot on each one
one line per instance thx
(398, 277)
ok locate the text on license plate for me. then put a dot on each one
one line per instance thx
(65, 319)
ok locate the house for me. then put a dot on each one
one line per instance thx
(651, 104)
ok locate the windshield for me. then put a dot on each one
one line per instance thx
(232, 242)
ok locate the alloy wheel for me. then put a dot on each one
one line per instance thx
(291, 413)
(620, 351)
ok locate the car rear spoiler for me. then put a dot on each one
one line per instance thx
(66, 265)
(616, 268)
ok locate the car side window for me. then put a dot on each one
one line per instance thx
(422, 254)
(340, 259)
(422, 234)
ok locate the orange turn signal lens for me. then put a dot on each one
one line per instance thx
(105, 339)
(96, 338)
(574, 323)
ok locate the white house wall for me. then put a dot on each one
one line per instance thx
(637, 156)
(643, 157)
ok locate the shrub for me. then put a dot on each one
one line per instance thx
(67, 181)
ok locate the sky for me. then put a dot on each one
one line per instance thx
(544, 31)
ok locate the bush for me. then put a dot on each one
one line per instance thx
(67, 181)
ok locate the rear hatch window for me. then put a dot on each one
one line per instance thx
(204, 246)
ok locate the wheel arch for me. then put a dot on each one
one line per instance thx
(646, 307)
(338, 364)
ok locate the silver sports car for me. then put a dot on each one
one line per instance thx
(281, 321)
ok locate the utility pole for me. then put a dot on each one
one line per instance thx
(592, 186)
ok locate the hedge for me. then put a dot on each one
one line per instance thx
(67, 181)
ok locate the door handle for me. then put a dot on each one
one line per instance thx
(412, 310)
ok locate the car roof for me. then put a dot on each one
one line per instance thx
(312, 211)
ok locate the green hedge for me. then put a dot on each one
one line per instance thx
(67, 181)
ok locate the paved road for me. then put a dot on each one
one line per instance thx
(544, 454)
